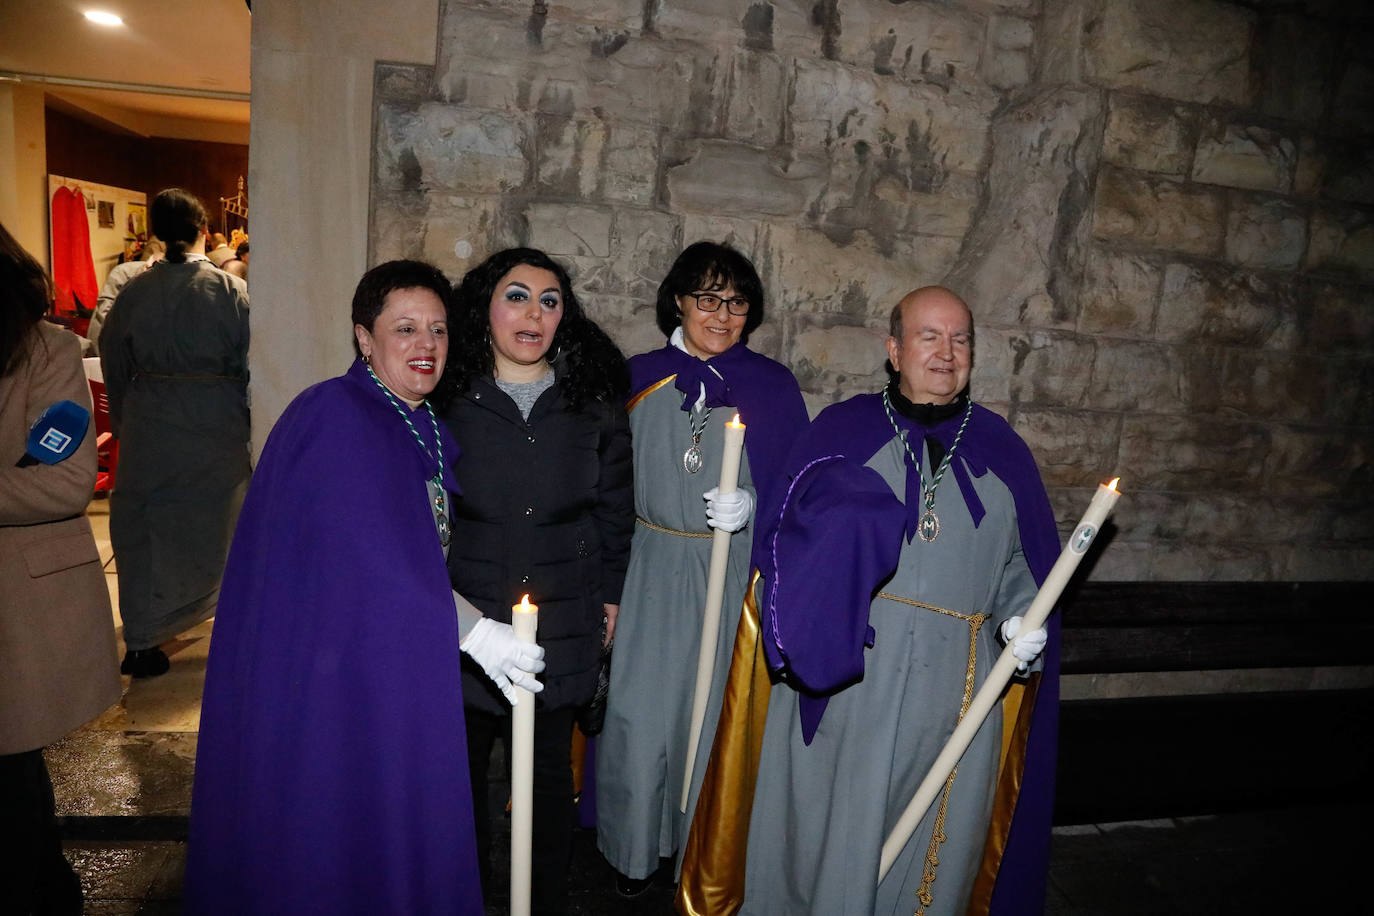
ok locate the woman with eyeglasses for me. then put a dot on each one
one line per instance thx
(681, 398)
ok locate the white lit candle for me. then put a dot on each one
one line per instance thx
(525, 622)
(991, 691)
(715, 593)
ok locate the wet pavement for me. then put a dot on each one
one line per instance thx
(123, 789)
(1295, 861)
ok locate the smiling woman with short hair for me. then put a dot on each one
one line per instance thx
(331, 769)
(681, 398)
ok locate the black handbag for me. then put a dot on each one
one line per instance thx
(592, 715)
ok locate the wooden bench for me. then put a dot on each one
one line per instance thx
(1162, 756)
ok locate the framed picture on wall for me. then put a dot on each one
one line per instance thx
(138, 220)
(105, 211)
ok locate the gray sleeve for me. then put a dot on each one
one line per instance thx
(1014, 597)
(467, 615)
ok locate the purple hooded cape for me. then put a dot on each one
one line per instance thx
(331, 774)
(819, 646)
(765, 393)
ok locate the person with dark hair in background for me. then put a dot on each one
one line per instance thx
(174, 350)
(681, 397)
(57, 642)
(547, 509)
(331, 773)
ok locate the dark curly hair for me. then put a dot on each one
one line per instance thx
(25, 294)
(710, 266)
(590, 366)
(381, 281)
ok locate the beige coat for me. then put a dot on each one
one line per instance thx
(59, 666)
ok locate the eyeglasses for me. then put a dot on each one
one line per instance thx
(710, 302)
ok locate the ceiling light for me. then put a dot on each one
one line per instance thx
(103, 18)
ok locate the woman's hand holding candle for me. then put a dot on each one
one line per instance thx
(728, 511)
(507, 659)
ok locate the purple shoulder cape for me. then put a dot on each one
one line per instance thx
(841, 517)
(331, 774)
(764, 391)
(821, 654)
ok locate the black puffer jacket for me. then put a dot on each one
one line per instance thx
(547, 508)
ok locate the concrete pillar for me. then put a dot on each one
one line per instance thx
(308, 177)
(23, 168)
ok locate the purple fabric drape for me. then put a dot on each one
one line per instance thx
(764, 392)
(331, 772)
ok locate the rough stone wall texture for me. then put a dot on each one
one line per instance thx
(1161, 211)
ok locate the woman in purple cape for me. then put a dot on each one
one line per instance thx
(331, 771)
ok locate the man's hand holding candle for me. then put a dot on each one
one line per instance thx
(1025, 646)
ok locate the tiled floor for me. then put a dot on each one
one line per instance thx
(123, 786)
(169, 704)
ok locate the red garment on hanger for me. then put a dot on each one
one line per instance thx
(73, 267)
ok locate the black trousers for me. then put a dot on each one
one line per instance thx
(35, 878)
(553, 816)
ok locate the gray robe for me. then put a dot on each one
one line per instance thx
(174, 350)
(821, 812)
(642, 750)
(118, 278)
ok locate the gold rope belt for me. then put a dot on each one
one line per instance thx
(975, 623)
(682, 534)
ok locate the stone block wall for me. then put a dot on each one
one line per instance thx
(1161, 211)
(1227, 280)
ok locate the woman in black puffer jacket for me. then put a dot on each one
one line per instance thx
(534, 393)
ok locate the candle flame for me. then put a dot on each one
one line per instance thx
(734, 421)
(525, 604)
(1112, 485)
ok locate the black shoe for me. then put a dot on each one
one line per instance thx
(145, 663)
(631, 888)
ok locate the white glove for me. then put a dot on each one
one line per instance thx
(1027, 646)
(729, 512)
(506, 660)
